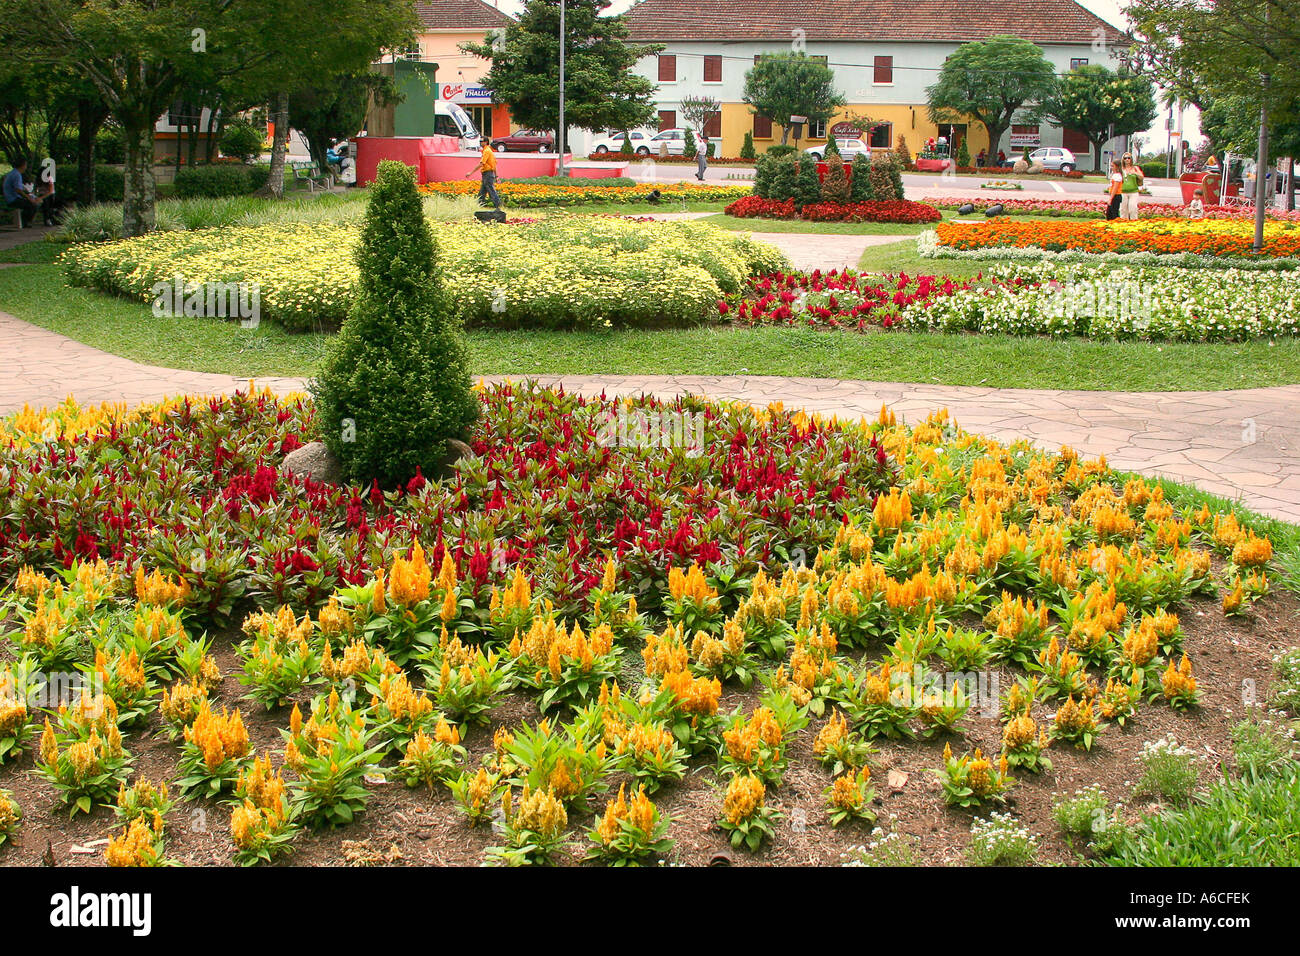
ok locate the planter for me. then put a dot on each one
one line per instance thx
(932, 165)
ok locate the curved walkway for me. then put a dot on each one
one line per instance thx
(1241, 444)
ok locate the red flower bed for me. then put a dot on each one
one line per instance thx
(197, 490)
(749, 207)
(838, 300)
(894, 210)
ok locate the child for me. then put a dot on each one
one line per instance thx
(1116, 183)
(1196, 208)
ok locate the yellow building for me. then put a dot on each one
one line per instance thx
(884, 54)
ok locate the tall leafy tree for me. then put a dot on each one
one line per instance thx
(601, 91)
(993, 81)
(792, 84)
(337, 109)
(1216, 54)
(139, 55)
(1101, 103)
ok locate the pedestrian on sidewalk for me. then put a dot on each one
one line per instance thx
(488, 181)
(702, 158)
(1113, 190)
(1132, 182)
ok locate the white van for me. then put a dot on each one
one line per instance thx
(449, 119)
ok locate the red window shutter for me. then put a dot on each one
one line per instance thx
(762, 127)
(667, 119)
(884, 69)
(668, 69)
(713, 124)
(1075, 141)
(713, 69)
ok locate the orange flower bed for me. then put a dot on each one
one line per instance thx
(1159, 236)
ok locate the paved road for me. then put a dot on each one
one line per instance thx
(1242, 444)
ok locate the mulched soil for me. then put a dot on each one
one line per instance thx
(418, 827)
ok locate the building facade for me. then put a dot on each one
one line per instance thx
(444, 26)
(884, 54)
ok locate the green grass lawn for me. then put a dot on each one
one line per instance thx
(36, 293)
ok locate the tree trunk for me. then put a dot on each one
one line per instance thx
(90, 117)
(274, 188)
(1096, 155)
(138, 213)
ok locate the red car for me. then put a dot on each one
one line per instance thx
(526, 141)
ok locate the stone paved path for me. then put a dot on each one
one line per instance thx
(1241, 444)
(807, 250)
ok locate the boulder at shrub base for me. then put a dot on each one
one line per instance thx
(314, 460)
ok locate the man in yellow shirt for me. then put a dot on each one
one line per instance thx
(487, 185)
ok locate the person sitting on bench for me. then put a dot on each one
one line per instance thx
(19, 195)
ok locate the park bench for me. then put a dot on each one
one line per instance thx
(310, 174)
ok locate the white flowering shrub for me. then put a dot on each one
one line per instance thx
(1001, 840)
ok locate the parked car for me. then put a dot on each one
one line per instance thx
(525, 141)
(849, 148)
(674, 138)
(1052, 157)
(613, 142)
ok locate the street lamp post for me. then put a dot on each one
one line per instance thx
(1261, 168)
(560, 144)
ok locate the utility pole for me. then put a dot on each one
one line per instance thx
(1261, 168)
(560, 137)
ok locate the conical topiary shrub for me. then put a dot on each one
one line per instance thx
(394, 384)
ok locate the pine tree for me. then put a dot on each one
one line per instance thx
(835, 187)
(882, 178)
(963, 154)
(808, 188)
(689, 151)
(783, 178)
(394, 384)
(860, 184)
(747, 148)
(901, 150)
(626, 147)
(896, 176)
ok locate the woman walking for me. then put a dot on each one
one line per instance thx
(1113, 190)
(1132, 182)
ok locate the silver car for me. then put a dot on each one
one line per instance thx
(1055, 157)
(849, 148)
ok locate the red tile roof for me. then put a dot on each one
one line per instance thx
(460, 15)
(885, 21)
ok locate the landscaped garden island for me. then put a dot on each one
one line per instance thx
(632, 630)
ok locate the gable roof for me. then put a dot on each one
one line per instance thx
(887, 21)
(460, 15)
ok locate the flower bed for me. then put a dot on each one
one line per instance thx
(858, 569)
(536, 194)
(898, 210)
(1043, 298)
(1125, 302)
(1096, 208)
(570, 272)
(1230, 238)
(1001, 184)
(837, 300)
